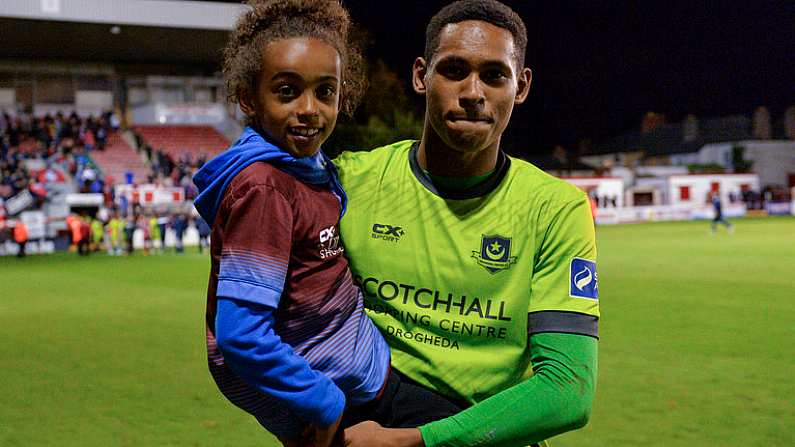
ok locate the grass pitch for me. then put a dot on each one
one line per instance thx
(697, 345)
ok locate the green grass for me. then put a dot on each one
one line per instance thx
(697, 336)
(697, 345)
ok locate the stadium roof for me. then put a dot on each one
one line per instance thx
(116, 31)
(158, 13)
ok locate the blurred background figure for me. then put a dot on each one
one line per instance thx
(204, 233)
(180, 225)
(162, 224)
(97, 234)
(129, 233)
(21, 237)
(155, 235)
(718, 209)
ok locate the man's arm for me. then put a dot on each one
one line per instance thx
(556, 399)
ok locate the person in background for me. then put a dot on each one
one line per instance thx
(143, 225)
(204, 233)
(97, 232)
(162, 224)
(714, 198)
(73, 225)
(21, 237)
(129, 233)
(112, 234)
(154, 234)
(84, 242)
(180, 225)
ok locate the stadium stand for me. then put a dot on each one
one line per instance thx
(118, 158)
(176, 139)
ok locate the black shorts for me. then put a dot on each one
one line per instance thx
(403, 404)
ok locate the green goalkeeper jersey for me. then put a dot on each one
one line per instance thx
(457, 281)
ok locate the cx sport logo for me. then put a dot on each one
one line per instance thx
(389, 233)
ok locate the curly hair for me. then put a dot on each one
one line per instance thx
(490, 11)
(270, 20)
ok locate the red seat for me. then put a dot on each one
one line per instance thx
(177, 139)
(118, 158)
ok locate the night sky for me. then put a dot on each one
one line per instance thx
(598, 66)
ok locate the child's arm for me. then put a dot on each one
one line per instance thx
(252, 349)
(257, 228)
(555, 399)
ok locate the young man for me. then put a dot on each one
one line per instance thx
(475, 266)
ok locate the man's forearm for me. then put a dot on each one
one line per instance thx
(556, 399)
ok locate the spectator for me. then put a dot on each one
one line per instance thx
(129, 233)
(97, 232)
(204, 233)
(115, 234)
(162, 224)
(84, 243)
(21, 237)
(180, 226)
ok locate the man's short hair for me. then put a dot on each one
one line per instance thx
(490, 11)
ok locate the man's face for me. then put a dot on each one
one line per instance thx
(297, 98)
(471, 84)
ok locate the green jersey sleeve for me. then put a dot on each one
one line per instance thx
(556, 399)
(564, 294)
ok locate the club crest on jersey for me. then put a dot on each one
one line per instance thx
(583, 279)
(495, 253)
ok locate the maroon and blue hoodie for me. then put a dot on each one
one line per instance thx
(287, 335)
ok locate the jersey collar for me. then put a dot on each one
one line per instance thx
(480, 190)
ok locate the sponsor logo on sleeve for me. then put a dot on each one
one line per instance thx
(583, 279)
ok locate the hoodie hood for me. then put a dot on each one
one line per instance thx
(216, 175)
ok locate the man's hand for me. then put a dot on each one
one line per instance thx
(371, 434)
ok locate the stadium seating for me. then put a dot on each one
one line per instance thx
(118, 158)
(176, 139)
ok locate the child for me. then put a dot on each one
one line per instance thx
(288, 339)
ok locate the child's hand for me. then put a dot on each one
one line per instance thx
(322, 436)
(300, 442)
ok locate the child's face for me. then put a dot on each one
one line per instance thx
(298, 94)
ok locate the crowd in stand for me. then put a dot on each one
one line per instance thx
(168, 171)
(60, 142)
(65, 142)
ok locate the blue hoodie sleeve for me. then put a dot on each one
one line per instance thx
(252, 350)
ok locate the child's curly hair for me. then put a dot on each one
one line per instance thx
(269, 20)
